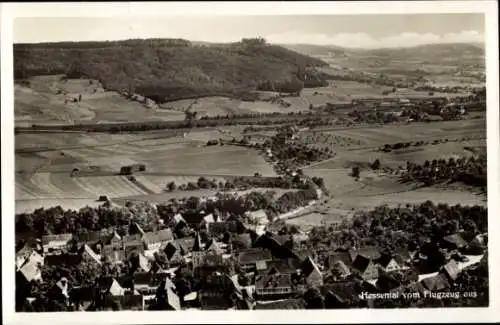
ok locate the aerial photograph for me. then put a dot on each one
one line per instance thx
(250, 162)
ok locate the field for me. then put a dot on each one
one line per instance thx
(44, 163)
(378, 187)
(49, 99)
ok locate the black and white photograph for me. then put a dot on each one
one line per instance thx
(237, 162)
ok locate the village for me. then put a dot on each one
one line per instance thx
(232, 263)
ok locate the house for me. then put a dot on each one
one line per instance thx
(368, 252)
(450, 270)
(185, 244)
(453, 242)
(254, 258)
(111, 293)
(144, 264)
(154, 239)
(87, 254)
(62, 287)
(133, 243)
(112, 255)
(217, 291)
(340, 263)
(405, 255)
(173, 253)
(31, 270)
(166, 298)
(55, 242)
(390, 263)
(436, 283)
(135, 229)
(366, 267)
(23, 254)
(113, 240)
(218, 228)
(344, 294)
(198, 245)
(284, 266)
(312, 273)
(207, 220)
(273, 286)
(274, 244)
(387, 282)
(213, 246)
(477, 245)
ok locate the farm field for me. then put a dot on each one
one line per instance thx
(49, 99)
(213, 106)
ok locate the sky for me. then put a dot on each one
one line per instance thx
(357, 31)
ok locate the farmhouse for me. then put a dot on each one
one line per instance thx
(312, 273)
(254, 259)
(154, 240)
(273, 286)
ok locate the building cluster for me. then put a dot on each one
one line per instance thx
(238, 265)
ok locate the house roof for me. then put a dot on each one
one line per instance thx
(273, 281)
(436, 283)
(131, 238)
(343, 257)
(93, 236)
(113, 236)
(144, 263)
(114, 256)
(197, 246)
(361, 263)
(160, 236)
(341, 266)
(369, 252)
(344, 291)
(56, 238)
(254, 255)
(282, 304)
(115, 289)
(284, 266)
(31, 271)
(63, 259)
(214, 246)
(451, 269)
(455, 239)
(90, 252)
(173, 299)
(184, 244)
(385, 259)
(136, 229)
(178, 218)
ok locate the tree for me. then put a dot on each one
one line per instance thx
(171, 186)
(376, 164)
(355, 172)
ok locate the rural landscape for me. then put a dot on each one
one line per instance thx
(169, 174)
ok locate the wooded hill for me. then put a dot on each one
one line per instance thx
(168, 69)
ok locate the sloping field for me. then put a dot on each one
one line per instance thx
(62, 186)
(49, 99)
(213, 106)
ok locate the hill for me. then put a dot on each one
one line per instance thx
(431, 51)
(165, 69)
(316, 50)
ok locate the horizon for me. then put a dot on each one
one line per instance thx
(347, 31)
(273, 43)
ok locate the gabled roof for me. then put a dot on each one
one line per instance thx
(451, 269)
(90, 252)
(214, 246)
(115, 289)
(113, 236)
(385, 259)
(178, 218)
(129, 239)
(136, 229)
(436, 283)
(93, 236)
(254, 255)
(284, 266)
(184, 244)
(361, 263)
(56, 238)
(343, 257)
(160, 236)
(369, 252)
(455, 239)
(197, 247)
(144, 263)
(31, 271)
(173, 299)
(309, 266)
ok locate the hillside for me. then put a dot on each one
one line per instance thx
(165, 69)
(436, 51)
(316, 50)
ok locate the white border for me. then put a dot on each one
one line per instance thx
(123, 9)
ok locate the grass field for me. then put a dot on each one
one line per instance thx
(44, 163)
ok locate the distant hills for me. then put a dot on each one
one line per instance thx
(166, 69)
(448, 49)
